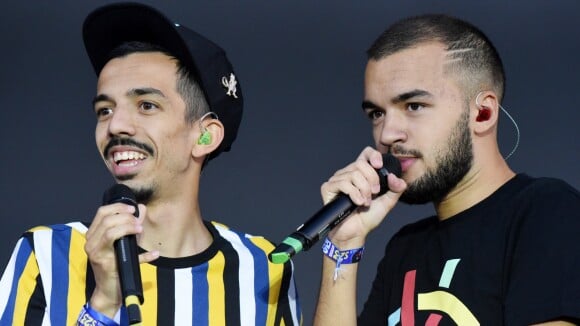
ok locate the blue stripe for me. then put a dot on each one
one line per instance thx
(60, 252)
(200, 295)
(21, 257)
(394, 318)
(261, 283)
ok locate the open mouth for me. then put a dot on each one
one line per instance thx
(128, 158)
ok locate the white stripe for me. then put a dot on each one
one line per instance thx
(245, 275)
(7, 278)
(78, 226)
(292, 302)
(183, 300)
(43, 251)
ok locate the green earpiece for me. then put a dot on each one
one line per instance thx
(205, 138)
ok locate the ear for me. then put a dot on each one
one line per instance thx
(207, 138)
(485, 112)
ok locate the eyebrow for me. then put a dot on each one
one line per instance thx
(398, 99)
(409, 95)
(130, 93)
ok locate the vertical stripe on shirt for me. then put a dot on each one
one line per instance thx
(199, 295)
(59, 262)
(166, 290)
(150, 287)
(77, 268)
(183, 300)
(216, 301)
(245, 283)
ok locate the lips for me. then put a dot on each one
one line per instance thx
(406, 162)
(128, 158)
(125, 160)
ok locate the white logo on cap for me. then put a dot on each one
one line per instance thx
(230, 85)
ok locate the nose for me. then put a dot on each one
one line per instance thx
(392, 130)
(122, 122)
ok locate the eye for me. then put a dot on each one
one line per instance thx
(103, 112)
(375, 114)
(148, 106)
(413, 107)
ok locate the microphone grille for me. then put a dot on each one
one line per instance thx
(390, 165)
(119, 193)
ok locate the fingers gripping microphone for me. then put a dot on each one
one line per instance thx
(127, 256)
(328, 217)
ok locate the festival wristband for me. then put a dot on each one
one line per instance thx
(350, 256)
(91, 317)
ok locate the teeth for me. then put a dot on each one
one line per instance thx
(129, 155)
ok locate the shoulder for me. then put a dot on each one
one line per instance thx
(547, 199)
(547, 208)
(58, 229)
(547, 188)
(239, 238)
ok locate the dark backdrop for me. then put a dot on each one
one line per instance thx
(301, 66)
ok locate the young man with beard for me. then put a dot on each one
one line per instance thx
(167, 101)
(502, 248)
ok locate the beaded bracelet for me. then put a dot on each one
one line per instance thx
(91, 317)
(350, 256)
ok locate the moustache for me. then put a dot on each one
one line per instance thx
(400, 150)
(117, 141)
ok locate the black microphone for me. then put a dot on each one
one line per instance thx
(329, 216)
(127, 255)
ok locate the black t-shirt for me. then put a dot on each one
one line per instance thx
(512, 259)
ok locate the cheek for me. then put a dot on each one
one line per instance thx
(100, 136)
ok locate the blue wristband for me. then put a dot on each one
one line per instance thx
(350, 256)
(91, 317)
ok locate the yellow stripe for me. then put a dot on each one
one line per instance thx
(38, 228)
(216, 298)
(149, 307)
(275, 272)
(77, 276)
(26, 285)
(449, 304)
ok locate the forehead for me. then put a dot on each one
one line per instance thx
(151, 69)
(423, 67)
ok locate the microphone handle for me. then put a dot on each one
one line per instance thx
(128, 268)
(313, 229)
(130, 275)
(325, 220)
(329, 216)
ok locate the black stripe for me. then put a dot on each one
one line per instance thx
(36, 305)
(231, 285)
(283, 312)
(90, 282)
(165, 296)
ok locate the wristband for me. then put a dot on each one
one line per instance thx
(350, 256)
(91, 317)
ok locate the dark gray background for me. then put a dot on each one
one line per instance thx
(301, 65)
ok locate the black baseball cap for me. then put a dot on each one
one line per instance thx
(109, 26)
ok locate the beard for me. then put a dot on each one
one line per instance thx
(143, 195)
(452, 164)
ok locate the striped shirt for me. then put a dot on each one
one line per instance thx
(48, 279)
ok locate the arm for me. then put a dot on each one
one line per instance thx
(337, 298)
(21, 293)
(111, 223)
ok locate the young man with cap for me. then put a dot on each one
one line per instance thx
(167, 101)
(502, 248)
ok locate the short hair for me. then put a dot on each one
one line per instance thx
(187, 84)
(475, 59)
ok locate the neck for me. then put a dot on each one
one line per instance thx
(479, 183)
(173, 225)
